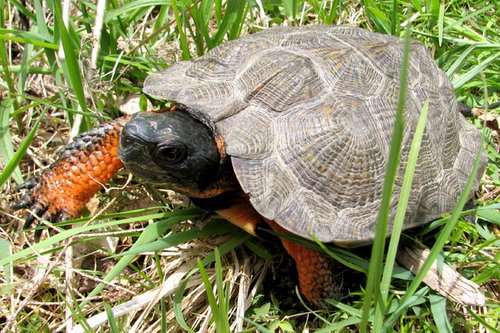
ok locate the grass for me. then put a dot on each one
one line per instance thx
(58, 79)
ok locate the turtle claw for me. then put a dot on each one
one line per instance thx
(29, 221)
(24, 203)
(37, 211)
(40, 213)
(30, 183)
(35, 202)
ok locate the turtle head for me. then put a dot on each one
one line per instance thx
(170, 148)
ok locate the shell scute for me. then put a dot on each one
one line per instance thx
(272, 81)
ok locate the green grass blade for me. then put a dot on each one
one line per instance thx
(25, 64)
(455, 66)
(162, 19)
(24, 37)
(177, 238)
(12, 160)
(290, 7)
(346, 308)
(125, 9)
(414, 299)
(345, 258)
(210, 293)
(485, 323)
(340, 326)
(377, 16)
(43, 30)
(438, 309)
(259, 250)
(239, 20)
(10, 157)
(440, 24)
(223, 319)
(218, 12)
(76, 311)
(258, 326)
(234, 242)
(4, 58)
(20, 6)
(394, 18)
(490, 213)
(463, 79)
(432, 8)
(234, 8)
(335, 9)
(461, 28)
(5, 251)
(205, 13)
(202, 36)
(206, 10)
(182, 35)
(71, 60)
(113, 326)
(374, 273)
(401, 212)
(172, 218)
(179, 316)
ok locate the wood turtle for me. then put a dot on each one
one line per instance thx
(291, 126)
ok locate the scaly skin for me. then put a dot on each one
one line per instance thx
(83, 168)
(316, 271)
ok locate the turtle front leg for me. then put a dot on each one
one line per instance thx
(83, 168)
(317, 281)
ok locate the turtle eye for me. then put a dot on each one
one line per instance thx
(171, 154)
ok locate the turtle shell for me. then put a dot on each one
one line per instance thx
(307, 116)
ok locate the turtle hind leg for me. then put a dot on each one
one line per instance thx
(317, 280)
(316, 272)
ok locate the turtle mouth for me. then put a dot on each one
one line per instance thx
(137, 161)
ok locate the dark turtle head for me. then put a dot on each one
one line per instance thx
(170, 148)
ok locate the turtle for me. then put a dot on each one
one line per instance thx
(290, 126)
